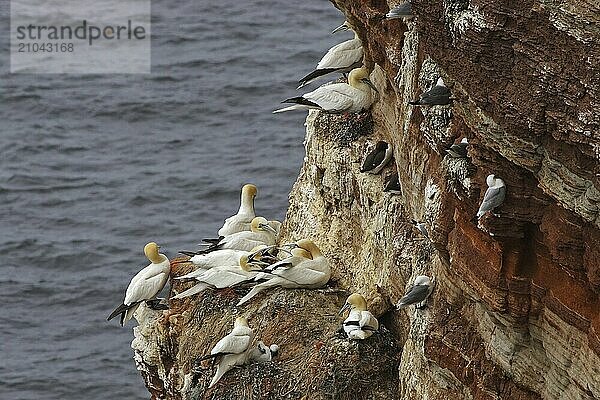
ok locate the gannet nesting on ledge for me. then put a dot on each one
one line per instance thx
(145, 285)
(378, 158)
(241, 221)
(438, 95)
(402, 10)
(263, 353)
(213, 259)
(232, 349)
(458, 150)
(221, 277)
(418, 293)
(360, 323)
(352, 97)
(494, 195)
(301, 273)
(342, 57)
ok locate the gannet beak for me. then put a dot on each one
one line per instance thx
(290, 245)
(346, 306)
(268, 228)
(368, 82)
(340, 28)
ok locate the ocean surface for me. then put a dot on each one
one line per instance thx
(94, 166)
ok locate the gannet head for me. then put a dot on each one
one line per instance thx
(260, 224)
(440, 82)
(422, 280)
(309, 246)
(300, 252)
(490, 180)
(343, 27)
(248, 266)
(358, 76)
(249, 191)
(355, 301)
(151, 251)
(240, 322)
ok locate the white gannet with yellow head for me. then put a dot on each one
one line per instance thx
(342, 57)
(222, 277)
(241, 221)
(146, 284)
(261, 232)
(352, 97)
(360, 323)
(297, 272)
(231, 350)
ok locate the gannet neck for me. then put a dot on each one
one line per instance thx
(300, 252)
(151, 252)
(355, 77)
(311, 247)
(247, 199)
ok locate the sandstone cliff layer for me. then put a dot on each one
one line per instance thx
(515, 311)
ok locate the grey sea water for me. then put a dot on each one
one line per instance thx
(93, 167)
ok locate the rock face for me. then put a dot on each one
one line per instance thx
(515, 311)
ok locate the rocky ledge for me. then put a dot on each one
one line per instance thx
(515, 311)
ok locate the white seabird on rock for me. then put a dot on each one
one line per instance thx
(458, 150)
(402, 10)
(241, 221)
(213, 259)
(494, 195)
(360, 323)
(378, 158)
(417, 294)
(342, 58)
(221, 277)
(437, 95)
(262, 353)
(352, 97)
(232, 349)
(301, 273)
(145, 285)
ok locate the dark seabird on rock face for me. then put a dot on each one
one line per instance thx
(377, 158)
(402, 10)
(439, 95)
(458, 150)
(494, 195)
(417, 294)
(392, 184)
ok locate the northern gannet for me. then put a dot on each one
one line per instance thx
(262, 353)
(494, 195)
(302, 273)
(458, 150)
(342, 57)
(145, 285)
(418, 293)
(421, 227)
(352, 97)
(241, 221)
(402, 10)
(437, 95)
(392, 184)
(213, 259)
(232, 349)
(221, 277)
(377, 158)
(360, 323)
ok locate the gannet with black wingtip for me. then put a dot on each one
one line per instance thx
(221, 277)
(402, 10)
(304, 273)
(213, 259)
(417, 294)
(458, 150)
(352, 97)
(438, 95)
(232, 349)
(241, 221)
(378, 158)
(342, 57)
(145, 285)
(360, 323)
(262, 353)
(494, 195)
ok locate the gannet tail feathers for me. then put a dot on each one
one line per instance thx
(213, 240)
(301, 104)
(257, 289)
(191, 291)
(126, 312)
(314, 75)
(220, 372)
